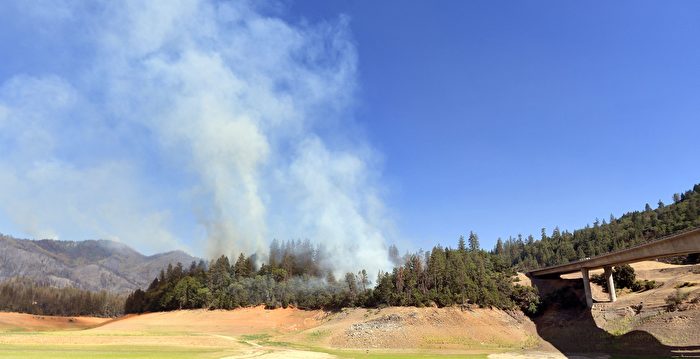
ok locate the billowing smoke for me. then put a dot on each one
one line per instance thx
(220, 108)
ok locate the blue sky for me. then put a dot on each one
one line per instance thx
(214, 127)
(506, 117)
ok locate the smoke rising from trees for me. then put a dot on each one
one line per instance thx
(223, 114)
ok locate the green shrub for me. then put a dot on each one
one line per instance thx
(599, 279)
(527, 299)
(674, 301)
(623, 276)
(643, 285)
(684, 285)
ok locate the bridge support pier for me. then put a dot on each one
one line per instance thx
(587, 287)
(611, 284)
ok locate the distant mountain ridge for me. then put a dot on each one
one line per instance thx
(91, 264)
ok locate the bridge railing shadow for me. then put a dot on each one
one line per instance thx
(569, 326)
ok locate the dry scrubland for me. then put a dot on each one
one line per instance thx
(351, 333)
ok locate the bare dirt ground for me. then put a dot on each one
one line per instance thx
(214, 333)
(229, 322)
(293, 333)
(646, 311)
(653, 301)
(637, 323)
(12, 322)
(447, 330)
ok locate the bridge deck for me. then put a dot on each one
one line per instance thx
(675, 245)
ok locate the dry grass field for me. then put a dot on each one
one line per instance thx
(267, 334)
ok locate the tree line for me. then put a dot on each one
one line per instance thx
(26, 296)
(603, 236)
(298, 273)
(446, 277)
(295, 276)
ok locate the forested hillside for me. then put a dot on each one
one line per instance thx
(26, 296)
(604, 236)
(294, 276)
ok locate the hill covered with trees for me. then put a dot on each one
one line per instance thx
(603, 236)
(294, 276)
(27, 296)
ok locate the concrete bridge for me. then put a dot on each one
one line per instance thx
(675, 245)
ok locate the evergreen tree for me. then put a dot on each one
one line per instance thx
(499, 247)
(243, 267)
(473, 242)
(676, 197)
(462, 244)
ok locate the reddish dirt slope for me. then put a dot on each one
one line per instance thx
(29, 322)
(229, 322)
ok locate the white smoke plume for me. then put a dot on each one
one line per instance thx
(218, 107)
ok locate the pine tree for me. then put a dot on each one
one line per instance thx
(363, 280)
(473, 242)
(499, 247)
(275, 255)
(676, 197)
(461, 245)
(242, 267)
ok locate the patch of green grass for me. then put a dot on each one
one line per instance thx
(12, 330)
(317, 335)
(621, 326)
(384, 355)
(263, 339)
(279, 344)
(373, 354)
(466, 342)
(83, 333)
(106, 351)
(531, 342)
(444, 340)
(255, 337)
